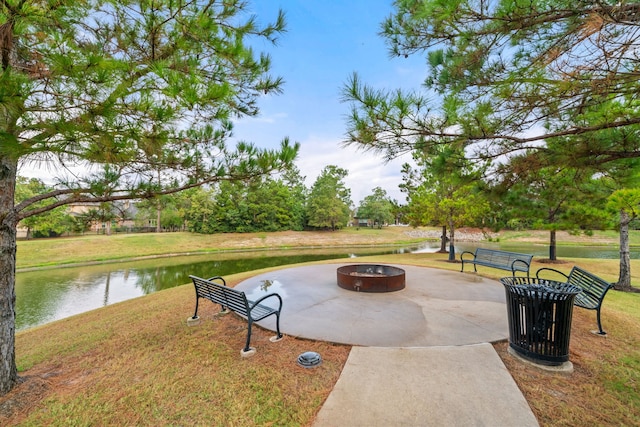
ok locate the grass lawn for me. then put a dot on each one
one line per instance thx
(138, 363)
(96, 248)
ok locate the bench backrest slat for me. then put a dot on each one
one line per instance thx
(223, 295)
(593, 286)
(503, 258)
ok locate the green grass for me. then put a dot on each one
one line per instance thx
(138, 363)
(598, 237)
(99, 248)
(620, 301)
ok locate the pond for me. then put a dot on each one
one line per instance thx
(47, 295)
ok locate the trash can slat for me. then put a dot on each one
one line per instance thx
(539, 316)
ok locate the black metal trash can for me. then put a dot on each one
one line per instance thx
(539, 313)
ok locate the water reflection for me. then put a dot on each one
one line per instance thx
(48, 295)
(265, 288)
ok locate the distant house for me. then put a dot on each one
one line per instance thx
(361, 222)
(122, 215)
(21, 232)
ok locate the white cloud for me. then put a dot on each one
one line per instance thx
(268, 119)
(366, 170)
(50, 171)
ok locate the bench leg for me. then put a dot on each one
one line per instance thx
(223, 310)
(278, 337)
(248, 351)
(513, 273)
(600, 331)
(194, 320)
(195, 313)
(462, 269)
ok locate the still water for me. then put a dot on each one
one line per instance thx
(48, 295)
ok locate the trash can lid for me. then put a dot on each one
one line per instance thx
(534, 285)
(554, 288)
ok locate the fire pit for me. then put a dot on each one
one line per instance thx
(370, 278)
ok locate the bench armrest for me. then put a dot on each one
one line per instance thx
(519, 260)
(566, 276)
(258, 301)
(467, 252)
(211, 279)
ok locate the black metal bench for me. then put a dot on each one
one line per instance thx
(236, 301)
(510, 261)
(593, 289)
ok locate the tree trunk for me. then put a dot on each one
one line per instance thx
(8, 224)
(158, 206)
(158, 212)
(105, 302)
(443, 240)
(552, 245)
(452, 249)
(624, 280)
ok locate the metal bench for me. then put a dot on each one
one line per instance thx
(593, 289)
(510, 261)
(236, 301)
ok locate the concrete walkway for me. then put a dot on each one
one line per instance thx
(421, 355)
(430, 386)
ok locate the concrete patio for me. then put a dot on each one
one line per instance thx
(436, 308)
(422, 355)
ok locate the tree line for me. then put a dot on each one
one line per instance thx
(444, 189)
(276, 202)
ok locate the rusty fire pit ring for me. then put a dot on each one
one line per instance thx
(371, 278)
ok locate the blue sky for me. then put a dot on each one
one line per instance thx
(326, 41)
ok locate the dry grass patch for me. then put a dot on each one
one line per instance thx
(603, 390)
(138, 363)
(153, 369)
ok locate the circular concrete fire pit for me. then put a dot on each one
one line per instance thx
(371, 278)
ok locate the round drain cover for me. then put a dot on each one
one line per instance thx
(309, 359)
